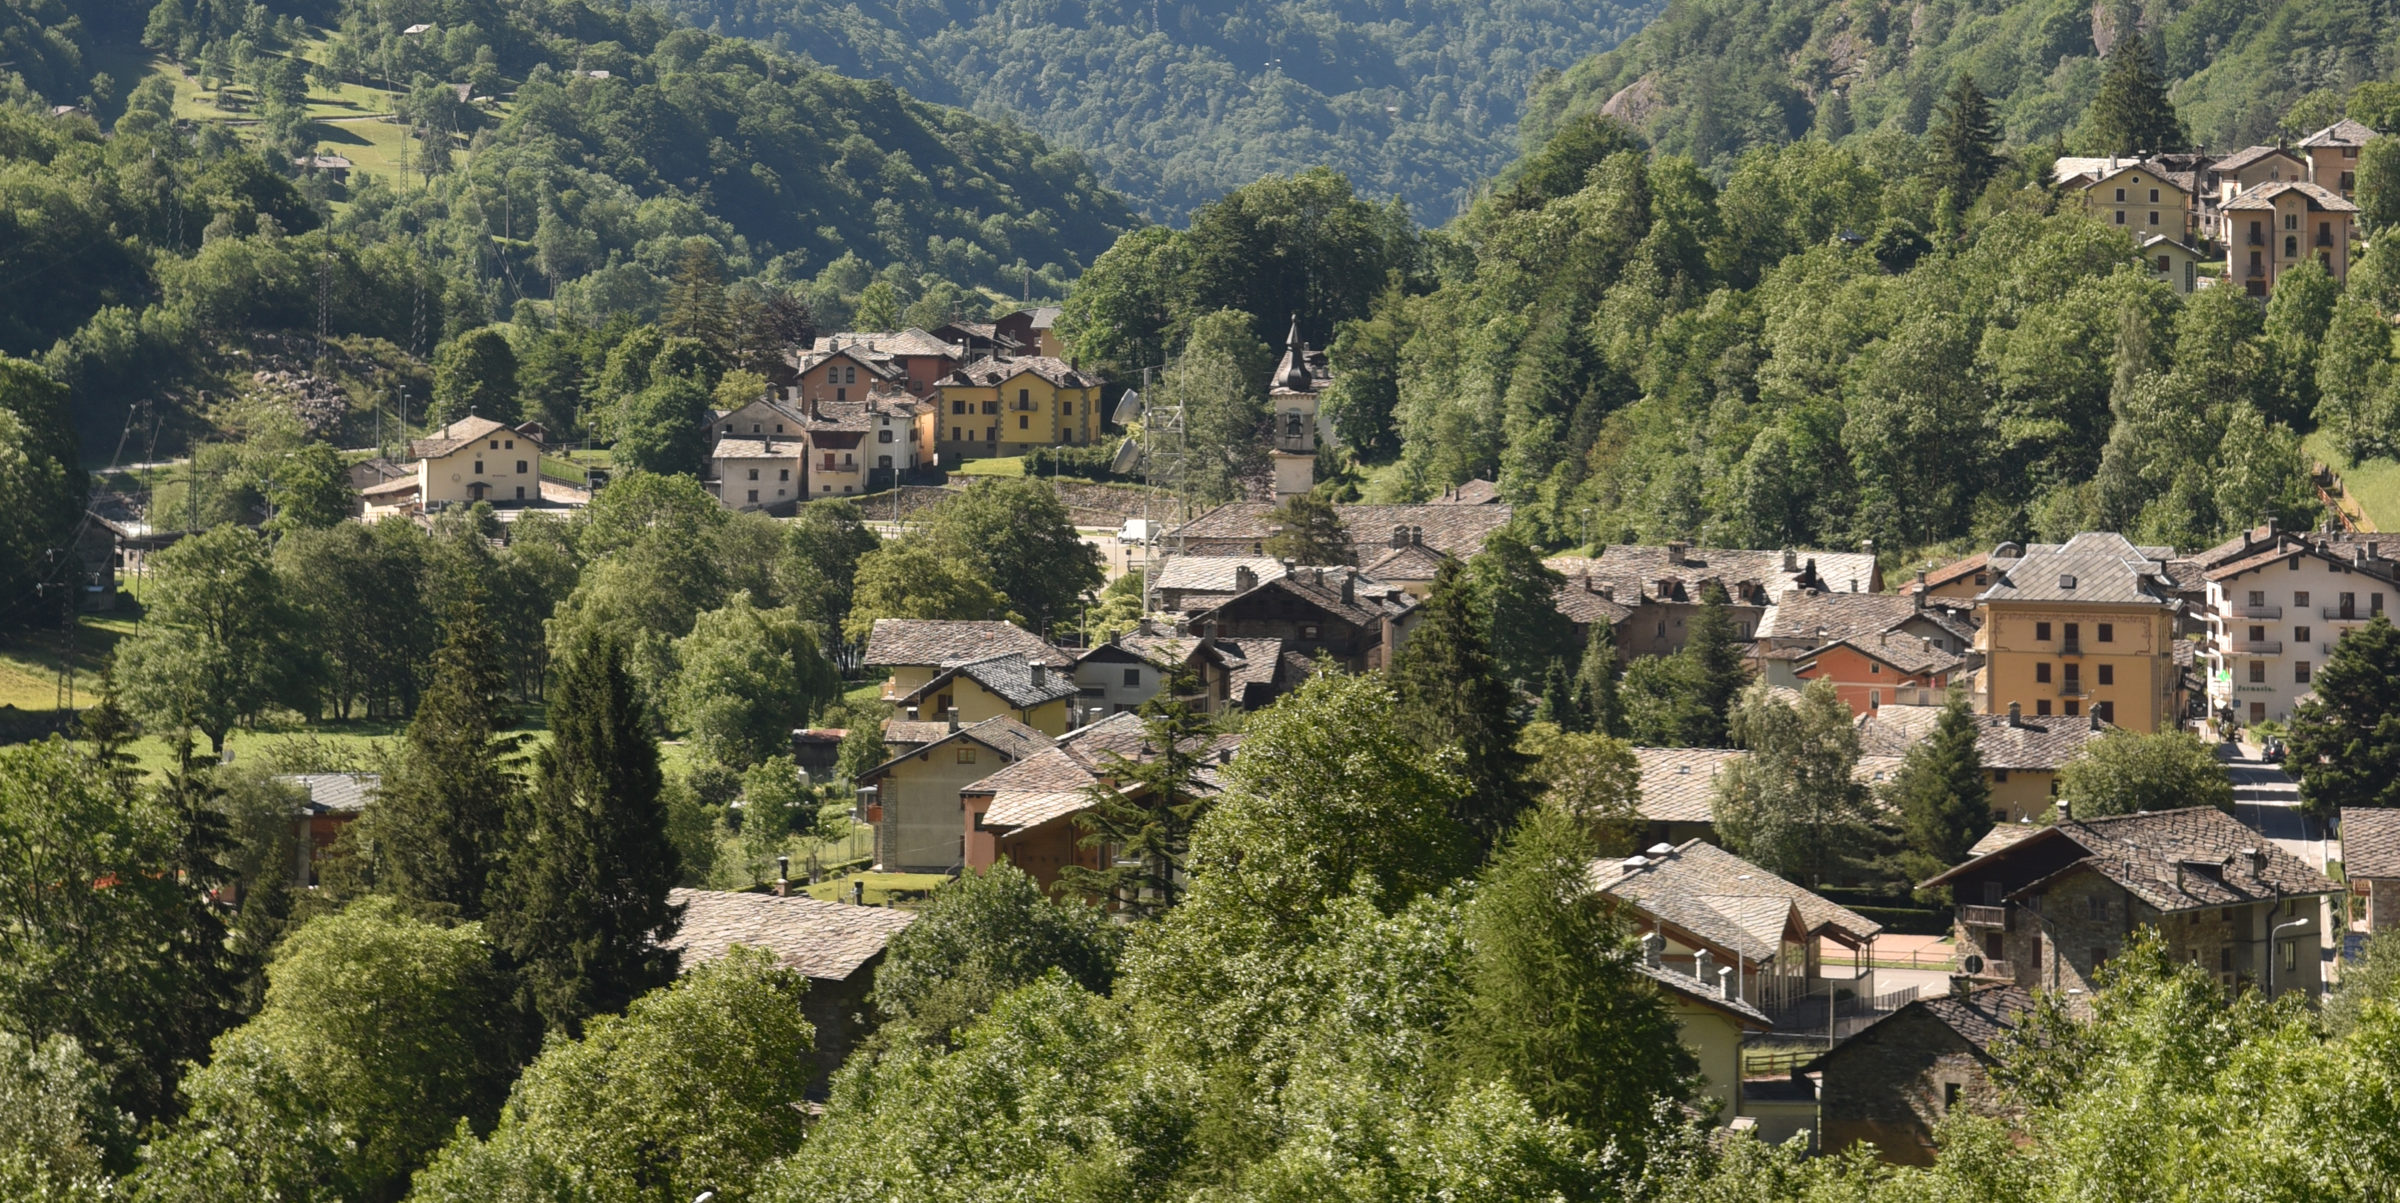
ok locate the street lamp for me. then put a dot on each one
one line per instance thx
(2272, 933)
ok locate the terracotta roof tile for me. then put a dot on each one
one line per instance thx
(828, 941)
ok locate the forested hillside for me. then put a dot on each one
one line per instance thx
(1712, 77)
(1180, 103)
(600, 151)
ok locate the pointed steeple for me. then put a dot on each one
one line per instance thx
(1293, 373)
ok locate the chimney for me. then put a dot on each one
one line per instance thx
(1225, 756)
(1921, 587)
(783, 876)
(1961, 985)
(1416, 535)
(2258, 860)
(1725, 981)
(1040, 673)
(1609, 592)
(1675, 553)
(858, 891)
(1349, 588)
(1245, 578)
(2095, 720)
(2066, 810)
(1704, 966)
(2016, 714)
(950, 716)
(1094, 715)
(1791, 560)
(1147, 627)
(1653, 945)
(1399, 536)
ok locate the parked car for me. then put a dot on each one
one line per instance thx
(2272, 749)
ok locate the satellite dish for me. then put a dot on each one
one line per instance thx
(1973, 963)
(1128, 454)
(1129, 409)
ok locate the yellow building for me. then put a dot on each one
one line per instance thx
(1008, 405)
(2333, 155)
(2084, 627)
(2021, 754)
(1709, 1023)
(920, 825)
(477, 459)
(2273, 226)
(2132, 195)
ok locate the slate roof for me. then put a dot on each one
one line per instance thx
(2001, 836)
(1047, 785)
(947, 643)
(2344, 132)
(877, 363)
(1823, 616)
(1677, 784)
(2370, 842)
(914, 732)
(2033, 742)
(1000, 733)
(1367, 605)
(2248, 155)
(459, 434)
(911, 341)
(731, 447)
(2319, 198)
(2173, 860)
(1980, 1018)
(1581, 600)
(1211, 574)
(1008, 677)
(992, 370)
(1708, 885)
(1409, 563)
(1956, 570)
(1453, 530)
(1908, 653)
(1474, 492)
(2095, 568)
(335, 793)
(827, 941)
(1634, 571)
(2163, 240)
(1705, 993)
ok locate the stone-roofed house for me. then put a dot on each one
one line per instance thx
(2333, 156)
(758, 473)
(473, 459)
(1811, 618)
(918, 649)
(2135, 196)
(2275, 225)
(1024, 813)
(329, 802)
(1335, 612)
(1661, 586)
(1678, 788)
(1010, 404)
(1412, 566)
(1895, 1081)
(835, 945)
(2047, 911)
(2172, 262)
(1868, 671)
(1703, 899)
(1024, 688)
(1474, 492)
(2371, 865)
(1035, 330)
(1710, 1021)
(1120, 675)
(916, 815)
(1242, 528)
(2087, 623)
(1181, 584)
(842, 374)
(2021, 756)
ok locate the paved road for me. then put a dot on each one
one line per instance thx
(2267, 801)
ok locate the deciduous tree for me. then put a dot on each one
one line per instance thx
(2126, 771)
(221, 642)
(1792, 805)
(475, 373)
(982, 936)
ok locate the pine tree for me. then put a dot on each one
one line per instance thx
(2131, 113)
(1596, 681)
(1451, 695)
(1146, 813)
(696, 306)
(1965, 136)
(440, 815)
(582, 902)
(1311, 532)
(2345, 741)
(1943, 802)
(1558, 700)
(1518, 595)
(1716, 663)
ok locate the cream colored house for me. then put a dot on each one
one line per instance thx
(2273, 226)
(756, 473)
(477, 459)
(2275, 614)
(2133, 195)
(1709, 1021)
(2333, 156)
(2172, 261)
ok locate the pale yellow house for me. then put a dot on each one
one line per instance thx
(2084, 627)
(2172, 261)
(2021, 754)
(1013, 685)
(757, 473)
(2333, 156)
(1709, 1022)
(920, 824)
(477, 459)
(916, 650)
(1008, 405)
(2134, 196)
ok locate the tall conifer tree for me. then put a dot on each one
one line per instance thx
(1965, 138)
(1717, 672)
(1943, 802)
(2131, 113)
(1147, 810)
(582, 905)
(1451, 694)
(1596, 681)
(441, 813)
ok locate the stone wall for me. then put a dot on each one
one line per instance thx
(1892, 1083)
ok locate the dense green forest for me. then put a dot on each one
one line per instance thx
(1711, 78)
(153, 250)
(1180, 103)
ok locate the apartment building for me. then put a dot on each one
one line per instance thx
(2276, 607)
(2087, 626)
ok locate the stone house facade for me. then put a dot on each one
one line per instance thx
(1895, 1082)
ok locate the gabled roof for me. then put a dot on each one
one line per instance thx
(994, 370)
(947, 643)
(2344, 132)
(2370, 842)
(335, 793)
(2095, 567)
(876, 363)
(1211, 574)
(1475, 492)
(1909, 654)
(2001, 836)
(2291, 547)
(1821, 616)
(1010, 678)
(2158, 240)
(2042, 743)
(459, 434)
(2251, 154)
(1635, 571)
(1455, 530)
(1050, 784)
(827, 941)
(731, 447)
(1980, 1018)
(1368, 603)
(915, 733)
(911, 341)
(1691, 989)
(1414, 562)
(1678, 784)
(1583, 602)
(1000, 733)
(2263, 197)
(2174, 860)
(1696, 876)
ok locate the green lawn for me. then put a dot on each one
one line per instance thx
(2374, 485)
(880, 887)
(29, 665)
(1003, 465)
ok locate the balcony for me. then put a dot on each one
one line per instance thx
(2070, 688)
(1984, 916)
(2347, 614)
(2324, 239)
(2259, 647)
(2269, 613)
(2256, 238)
(2070, 647)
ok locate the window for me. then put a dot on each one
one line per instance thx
(2041, 708)
(966, 755)
(2258, 672)
(1308, 630)
(2041, 632)
(2258, 712)
(1133, 678)
(753, 494)
(520, 465)
(2105, 711)
(783, 474)
(883, 436)
(991, 407)
(2153, 217)
(849, 375)
(2291, 246)
(2120, 212)
(1024, 396)
(883, 461)
(2041, 673)
(1874, 669)
(479, 467)
(1950, 1093)
(2120, 196)
(1999, 775)
(2300, 672)
(2225, 955)
(2258, 634)
(2258, 597)
(2300, 599)
(2154, 197)
(1024, 422)
(841, 394)
(2096, 907)
(2291, 955)
(1874, 698)
(2291, 221)
(958, 407)
(2375, 604)
(2300, 634)
(2108, 674)
(2108, 632)
(2074, 632)
(495, 444)
(754, 474)
(2074, 708)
